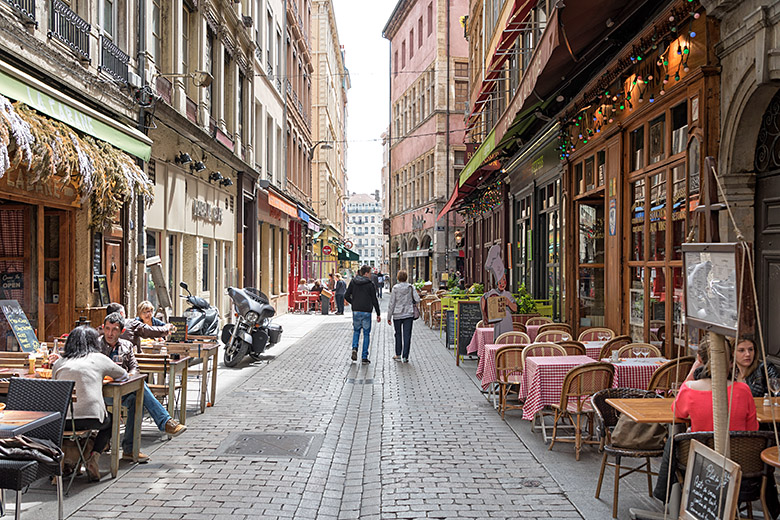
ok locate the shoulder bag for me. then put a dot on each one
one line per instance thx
(415, 306)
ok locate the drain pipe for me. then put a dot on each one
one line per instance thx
(139, 221)
(447, 176)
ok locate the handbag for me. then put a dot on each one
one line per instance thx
(415, 306)
(638, 436)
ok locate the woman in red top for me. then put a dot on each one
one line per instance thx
(694, 401)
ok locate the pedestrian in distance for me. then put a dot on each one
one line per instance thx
(375, 281)
(339, 291)
(361, 294)
(400, 313)
(380, 284)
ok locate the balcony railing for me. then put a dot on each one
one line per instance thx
(112, 60)
(26, 8)
(69, 28)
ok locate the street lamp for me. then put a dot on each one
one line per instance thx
(326, 145)
(200, 78)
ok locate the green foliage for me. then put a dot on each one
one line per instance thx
(476, 288)
(419, 284)
(452, 282)
(525, 302)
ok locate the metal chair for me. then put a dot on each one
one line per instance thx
(614, 344)
(674, 371)
(580, 384)
(552, 336)
(507, 338)
(37, 395)
(608, 418)
(509, 374)
(573, 348)
(537, 320)
(596, 333)
(627, 351)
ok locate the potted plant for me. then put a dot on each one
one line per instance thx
(526, 306)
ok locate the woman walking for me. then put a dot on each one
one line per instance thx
(400, 312)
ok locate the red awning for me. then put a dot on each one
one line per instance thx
(282, 205)
(448, 206)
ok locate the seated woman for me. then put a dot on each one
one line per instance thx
(749, 369)
(146, 314)
(83, 363)
(302, 287)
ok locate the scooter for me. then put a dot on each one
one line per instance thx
(253, 331)
(202, 318)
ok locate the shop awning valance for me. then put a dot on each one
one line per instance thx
(303, 215)
(282, 205)
(348, 255)
(18, 86)
(415, 254)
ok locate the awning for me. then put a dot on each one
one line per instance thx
(282, 205)
(303, 215)
(448, 206)
(313, 226)
(348, 255)
(21, 87)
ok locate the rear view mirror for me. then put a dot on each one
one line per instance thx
(183, 285)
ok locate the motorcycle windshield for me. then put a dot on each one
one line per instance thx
(243, 302)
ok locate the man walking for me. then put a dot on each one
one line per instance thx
(361, 294)
(380, 284)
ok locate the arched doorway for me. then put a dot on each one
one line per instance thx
(412, 267)
(426, 262)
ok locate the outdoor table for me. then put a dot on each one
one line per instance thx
(660, 410)
(205, 351)
(635, 372)
(593, 348)
(18, 422)
(542, 381)
(116, 390)
(770, 456)
(533, 331)
(482, 336)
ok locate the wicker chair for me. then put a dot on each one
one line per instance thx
(537, 320)
(434, 313)
(552, 336)
(542, 349)
(613, 344)
(518, 327)
(556, 326)
(627, 351)
(37, 395)
(481, 324)
(515, 338)
(508, 373)
(608, 418)
(745, 449)
(425, 307)
(573, 348)
(580, 384)
(595, 334)
(674, 371)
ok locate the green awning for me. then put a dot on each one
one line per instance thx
(18, 86)
(349, 255)
(485, 149)
(316, 235)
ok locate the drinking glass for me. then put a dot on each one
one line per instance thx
(774, 387)
(645, 352)
(674, 388)
(635, 351)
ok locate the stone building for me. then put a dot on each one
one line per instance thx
(364, 228)
(428, 89)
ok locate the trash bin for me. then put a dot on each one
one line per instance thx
(325, 297)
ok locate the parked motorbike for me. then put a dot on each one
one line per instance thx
(253, 331)
(202, 318)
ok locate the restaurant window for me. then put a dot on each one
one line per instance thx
(679, 128)
(657, 138)
(637, 148)
(590, 170)
(206, 255)
(591, 261)
(547, 276)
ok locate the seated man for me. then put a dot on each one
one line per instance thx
(135, 330)
(121, 351)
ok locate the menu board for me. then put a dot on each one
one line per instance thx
(469, 314)
(711, 487)
(450, 331)
(712, 287)
(180, 322)
(22, 329)
(102, 284)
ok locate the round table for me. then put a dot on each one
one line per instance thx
(770, 456)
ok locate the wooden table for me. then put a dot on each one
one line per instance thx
(660, 410)
(770, 456)
(207, 352)
(18, 422)
(175, 367)
(116, 390)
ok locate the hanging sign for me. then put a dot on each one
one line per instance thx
(11, 281)
(25, 334)
(612, 217)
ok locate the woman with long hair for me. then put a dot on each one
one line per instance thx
(750, 368)
(83, 363)
(400, 312)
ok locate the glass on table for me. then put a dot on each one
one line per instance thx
(636, 351)
(774, 387)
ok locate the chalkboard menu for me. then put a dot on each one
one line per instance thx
(102, 283)
(23, 331)
(469, 314)
(180, 322)
(711, 487)
(450, 326)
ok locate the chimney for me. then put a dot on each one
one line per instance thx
(376, 195)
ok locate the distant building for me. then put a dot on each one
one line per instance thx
(364, 227)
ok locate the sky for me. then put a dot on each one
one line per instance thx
(366, 55)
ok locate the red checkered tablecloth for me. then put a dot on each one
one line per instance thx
(593, 348)
(543, 380)
(486, 369)
(635, 373)
(482, 336)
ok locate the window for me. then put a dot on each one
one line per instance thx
(156, 47)
(403, 54)
(657, 138)
(637, 148)
(395, 67)
(240, 108)
(205, 273)
(209, 91)
(186, 50)
(152, 249)
(679, 128)
(108, 18)
(411, 44)
(430, 18)
(419, 32)
(171, 263)
(461, 94)
(591, 262)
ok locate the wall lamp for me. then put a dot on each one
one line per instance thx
(226, 182)
(215, 176)
(326, 145)
(182, 158)
(200, 78)
(197, 166)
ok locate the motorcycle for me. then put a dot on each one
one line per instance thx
(202, 318)
(253, 332)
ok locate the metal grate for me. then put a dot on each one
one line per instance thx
(271, 445)
(26, 8)
(70, 29)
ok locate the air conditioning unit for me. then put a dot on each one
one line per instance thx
(247, 21)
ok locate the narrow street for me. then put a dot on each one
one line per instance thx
(338, 440)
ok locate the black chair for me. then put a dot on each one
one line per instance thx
(37, 395)
(608, 418)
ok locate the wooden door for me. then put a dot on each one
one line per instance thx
(55, 266)
(113, 268)
(768, 258)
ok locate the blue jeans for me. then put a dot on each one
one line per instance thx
(157, 411)
(361, 320)
(403, 336)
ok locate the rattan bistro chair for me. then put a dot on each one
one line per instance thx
(518, 327)
(565, 327)
(627, 351)
(537, 320)
(552, 336)
(573, 348)
(596, 333)
(542, 349)
(509, 373)
(745, 449)
(674, 371)
(580, 384)
(36, 395)
(613, 344)
(607, 419)
(507, 338)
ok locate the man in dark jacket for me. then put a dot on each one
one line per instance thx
(361, 294)
(375, 281)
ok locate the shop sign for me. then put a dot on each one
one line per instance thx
(17, 182)
(203, 210)
(612, 217)
(11, 281)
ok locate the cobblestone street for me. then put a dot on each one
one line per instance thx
(389, 440)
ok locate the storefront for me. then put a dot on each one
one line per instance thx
(324, 253)
(275, 214)
(64, 181)
(633, 144)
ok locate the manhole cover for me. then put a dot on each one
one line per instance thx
(360, 381)
(265, 445)
(530, 483)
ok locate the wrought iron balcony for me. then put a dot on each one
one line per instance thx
(69, 28)
(113, 61)
(26, 8)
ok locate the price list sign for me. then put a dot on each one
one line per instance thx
(22, 329)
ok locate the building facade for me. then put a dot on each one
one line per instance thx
(428, 84)
(364, 228)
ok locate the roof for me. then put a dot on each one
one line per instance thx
(396, 18)
(359, 198)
